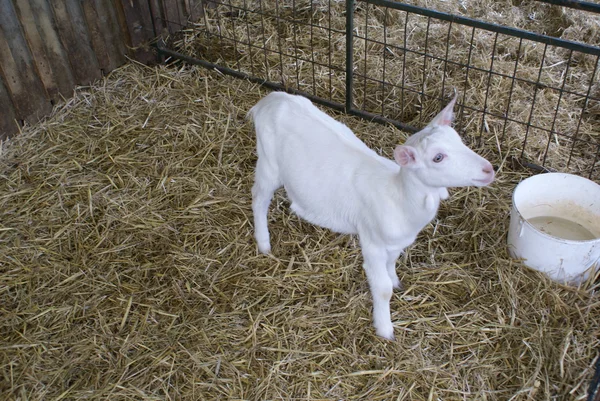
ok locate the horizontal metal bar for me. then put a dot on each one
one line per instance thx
(160, 46)
(381, 120)
(291, 21)
(578, 5)
(537, 167)
(409, 128)
(540, 85)
(275, 86)
(515, 32)
(266, 49)
(487, 113)
(325, 102)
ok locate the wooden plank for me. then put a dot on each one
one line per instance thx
(125, 35)
(195, 9)
(18, 68)
(52, 66)
(75, 39)
(139, 24)
(187, 11)
(105, 33)
(55, 52)
(118, 39)
(187, 7)
(98, 38)
(36, 46)
(183, 13)
(158, 17)
(171, 12)
(8, 125)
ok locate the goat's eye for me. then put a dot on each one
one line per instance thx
(438, 158)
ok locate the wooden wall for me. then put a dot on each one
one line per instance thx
(48, 47)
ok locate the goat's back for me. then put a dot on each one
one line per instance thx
(320, 162)
(295, 118)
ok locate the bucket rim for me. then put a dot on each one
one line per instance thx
(552, 237)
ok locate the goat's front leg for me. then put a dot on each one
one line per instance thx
(375, 259)
(392, 257)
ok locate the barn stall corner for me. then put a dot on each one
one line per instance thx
(128, 264)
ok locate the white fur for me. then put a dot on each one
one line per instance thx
(335, 181)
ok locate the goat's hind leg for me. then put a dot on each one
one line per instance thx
(265, 184)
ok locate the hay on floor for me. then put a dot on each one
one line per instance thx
(129, 270)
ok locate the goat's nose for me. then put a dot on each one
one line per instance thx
(488, 169)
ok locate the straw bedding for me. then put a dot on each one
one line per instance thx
(129, 270)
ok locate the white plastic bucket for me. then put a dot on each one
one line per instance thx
(555, 225)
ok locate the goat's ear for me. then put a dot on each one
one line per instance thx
(446, 116)
(406, 156)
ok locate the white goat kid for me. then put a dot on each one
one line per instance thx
(335, 181)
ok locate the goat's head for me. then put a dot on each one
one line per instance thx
(439, 158)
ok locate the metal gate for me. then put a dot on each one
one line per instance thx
(527, 95)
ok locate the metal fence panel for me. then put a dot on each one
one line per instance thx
(531, 95)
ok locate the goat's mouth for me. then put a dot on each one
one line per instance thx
(484, 181)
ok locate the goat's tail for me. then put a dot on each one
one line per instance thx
(251, 114)
(258, 109)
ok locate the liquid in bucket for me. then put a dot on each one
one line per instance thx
(562, 228)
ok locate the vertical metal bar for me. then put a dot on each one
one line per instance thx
(512, 86)
(423, 95)
(385, 19)
(535, 91)
(278, 18)
(329, 51)
(349, 53)
(462, 109)
(235, 41)
(249, 38)
(364, 102)
(587, 99)
(404, 66)
(312, 50)
(445, 65)
(560, 94)
(295, 29)
(487, 90)
(264, 42)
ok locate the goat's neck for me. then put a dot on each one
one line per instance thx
(423, 199)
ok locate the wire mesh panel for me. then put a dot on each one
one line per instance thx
(298, 44)
(521, 93)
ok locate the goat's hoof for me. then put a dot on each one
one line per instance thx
(264, 247)
(386, 332)
(396, 283)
